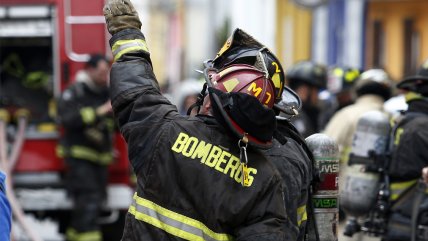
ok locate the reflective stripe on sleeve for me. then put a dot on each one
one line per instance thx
(398, 188)
(173, 223)
(85, 153)
(302, 215)
(88, 115)
(73, 235)
(122, 47)
(398, 134)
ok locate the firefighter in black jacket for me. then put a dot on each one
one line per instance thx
(86, 145)
(196, 177)
(288, 152)
(293, 160)
(409, 157)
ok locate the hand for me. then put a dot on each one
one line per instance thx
(425, 174)
(120, 15)
(104, 109)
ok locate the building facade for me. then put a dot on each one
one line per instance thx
(388, 34)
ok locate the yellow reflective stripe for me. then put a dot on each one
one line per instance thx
(89, 154)
(398, 134)
(88, 115)
(122, 47)
(85, 153)
(172, 222)
(167, 228)
(302, 215)
(397, 188)
(73, 235)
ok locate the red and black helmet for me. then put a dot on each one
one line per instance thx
(242, 99)
(244, 79)
(242, 48)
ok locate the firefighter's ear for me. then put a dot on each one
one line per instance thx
(206, 106)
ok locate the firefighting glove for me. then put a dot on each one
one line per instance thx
(120, 15)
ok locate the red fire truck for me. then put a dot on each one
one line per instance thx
(42, 45)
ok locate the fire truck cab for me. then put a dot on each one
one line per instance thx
(43, 43)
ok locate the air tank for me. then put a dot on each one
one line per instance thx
(370, 143)
(325, 196)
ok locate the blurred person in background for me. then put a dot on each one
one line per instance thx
(84, 112)
(372, 88)
(307, 78)
(185, 93)
(338, 93)
(197, 180)
(408, 217)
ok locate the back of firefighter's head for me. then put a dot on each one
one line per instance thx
(375, 82)
(242, 48)
(241, 98)
(307, 79)
(416, 86)
(98, 68)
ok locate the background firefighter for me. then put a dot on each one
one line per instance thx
(408, 219)
(307, 78)
(372, 88)
(86, 145)
(197, 179)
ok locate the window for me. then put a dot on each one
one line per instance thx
(378, 44)
(411, 47)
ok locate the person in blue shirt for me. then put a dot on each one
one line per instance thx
(5, 211)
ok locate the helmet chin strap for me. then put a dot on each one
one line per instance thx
(199, 101)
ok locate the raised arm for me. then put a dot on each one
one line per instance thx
(133, 83)
(139, 107)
